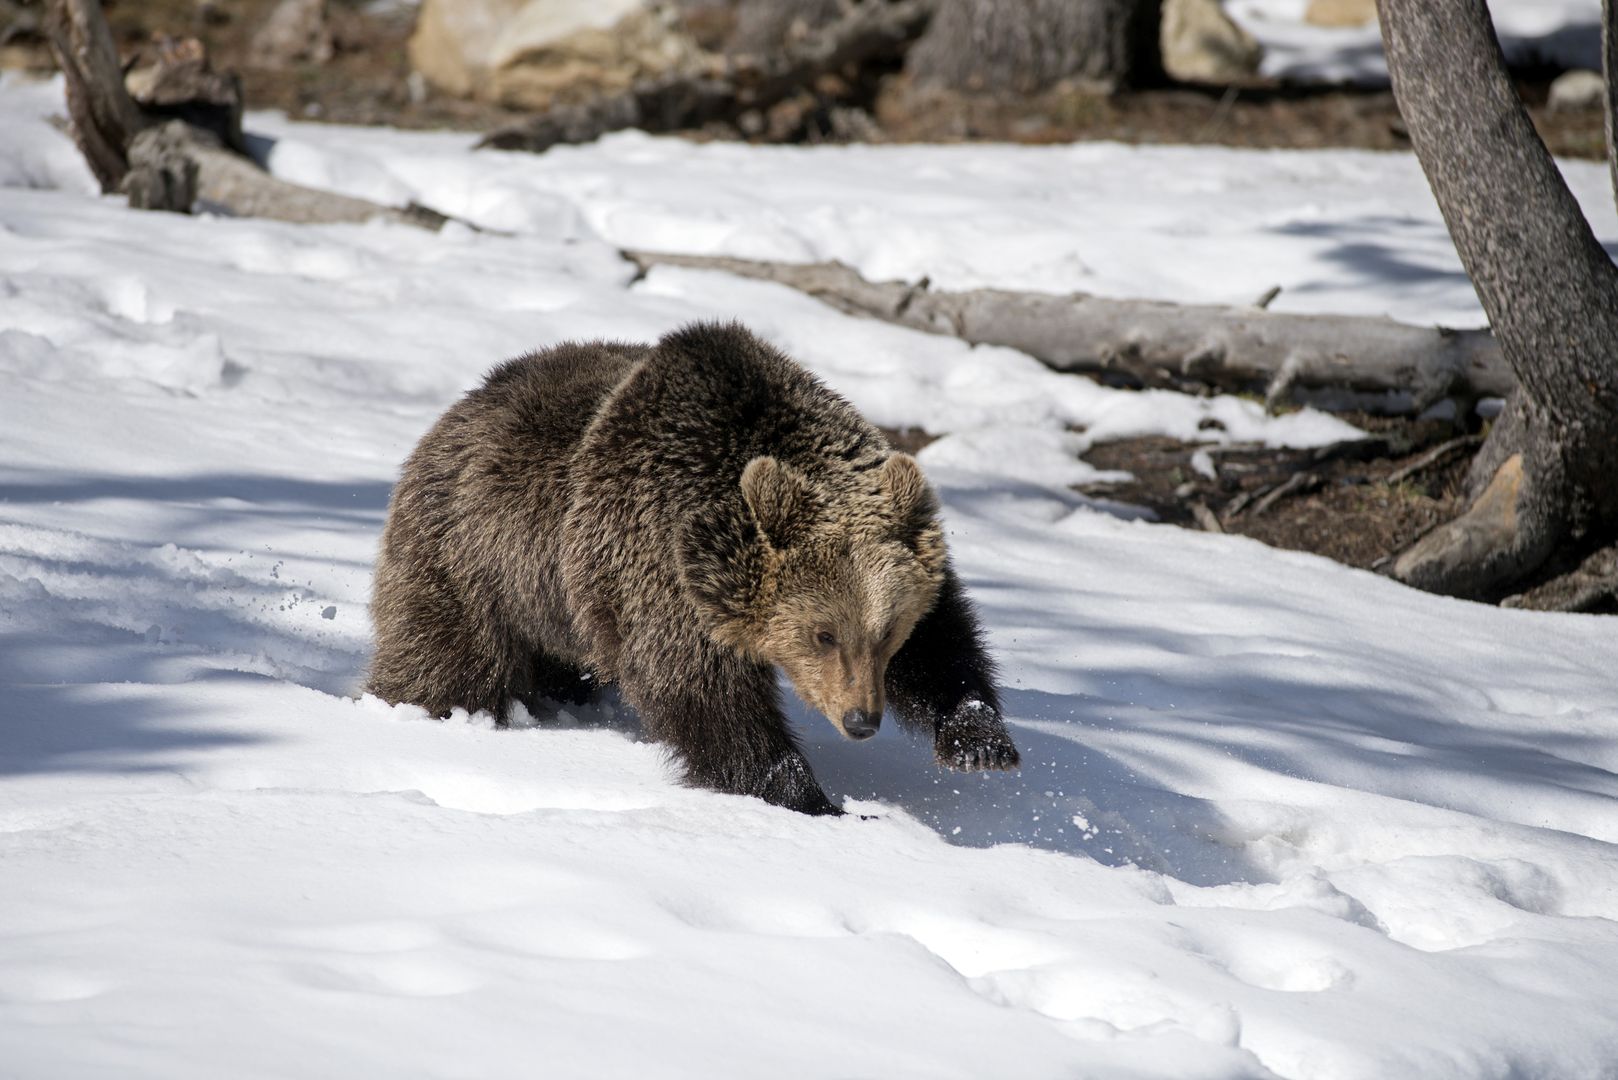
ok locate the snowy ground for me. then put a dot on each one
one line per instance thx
(1565, 33)
(1277, 818)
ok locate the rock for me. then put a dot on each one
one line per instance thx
(1576, 91)
(295, 32)
(535, 53)
(1341, 13)
(1202, 44)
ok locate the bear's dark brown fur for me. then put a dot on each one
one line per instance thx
(682, 518)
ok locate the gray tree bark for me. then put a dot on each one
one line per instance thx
(1609, 68)
(1547, 478)
(105, 117)
(1025, 46)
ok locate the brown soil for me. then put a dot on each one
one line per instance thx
(1338, 501)
(1343, 502)
(367, 82)
(1268, 116)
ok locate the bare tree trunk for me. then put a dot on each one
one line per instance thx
(159, 155)
(1025, 46)
(105, 118)
(1546, 477)
(1609, 69)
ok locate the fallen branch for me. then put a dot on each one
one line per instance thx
(870, 31)
(1234, 508)
(1205, 518)
(1151, 343)
(179, 149)
(1296, 484)
(1433, 456)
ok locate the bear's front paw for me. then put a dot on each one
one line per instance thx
(974, 739)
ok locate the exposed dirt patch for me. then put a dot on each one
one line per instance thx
(1265, 116)
(1355, 502)
(1348, 502)
(368, 81)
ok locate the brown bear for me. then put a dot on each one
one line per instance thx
(682, 518)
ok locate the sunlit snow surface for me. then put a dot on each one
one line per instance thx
(1562, 33)
(1276, 817)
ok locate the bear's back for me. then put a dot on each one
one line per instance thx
(709, 398)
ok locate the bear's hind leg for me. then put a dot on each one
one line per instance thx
(942, 681)
(429, 653)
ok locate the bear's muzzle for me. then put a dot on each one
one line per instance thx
(860, 724)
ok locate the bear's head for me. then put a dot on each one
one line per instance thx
(824, 582)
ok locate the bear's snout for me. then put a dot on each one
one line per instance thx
(861, 724)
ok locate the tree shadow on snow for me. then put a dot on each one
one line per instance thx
(88, 608)
(104, 729)
(1359, 246)
(190, 501)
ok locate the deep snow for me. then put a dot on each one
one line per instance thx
(1277, 817)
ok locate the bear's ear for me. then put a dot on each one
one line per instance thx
(914, 504)
(779, 497)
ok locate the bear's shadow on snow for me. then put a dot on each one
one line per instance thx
(1069, 796)
(1230, 729)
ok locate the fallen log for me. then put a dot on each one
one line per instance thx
(181, 148)
(733, 87)
(1390, 366)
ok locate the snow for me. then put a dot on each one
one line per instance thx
(1344, 231)
(1563, 33)
(1277, 818)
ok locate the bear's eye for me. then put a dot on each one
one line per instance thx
(826, 638)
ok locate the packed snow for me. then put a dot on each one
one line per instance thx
(1277, 818)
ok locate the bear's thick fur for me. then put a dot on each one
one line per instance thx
(682, 518)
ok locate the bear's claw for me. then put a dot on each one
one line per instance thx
(974, 739)
(1003, 758)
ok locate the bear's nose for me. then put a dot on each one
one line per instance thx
(859, 724)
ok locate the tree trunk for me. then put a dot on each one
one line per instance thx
(105, 118)
(1546, 478)
(1025, 46)
(1609, 68)
(183, 145)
